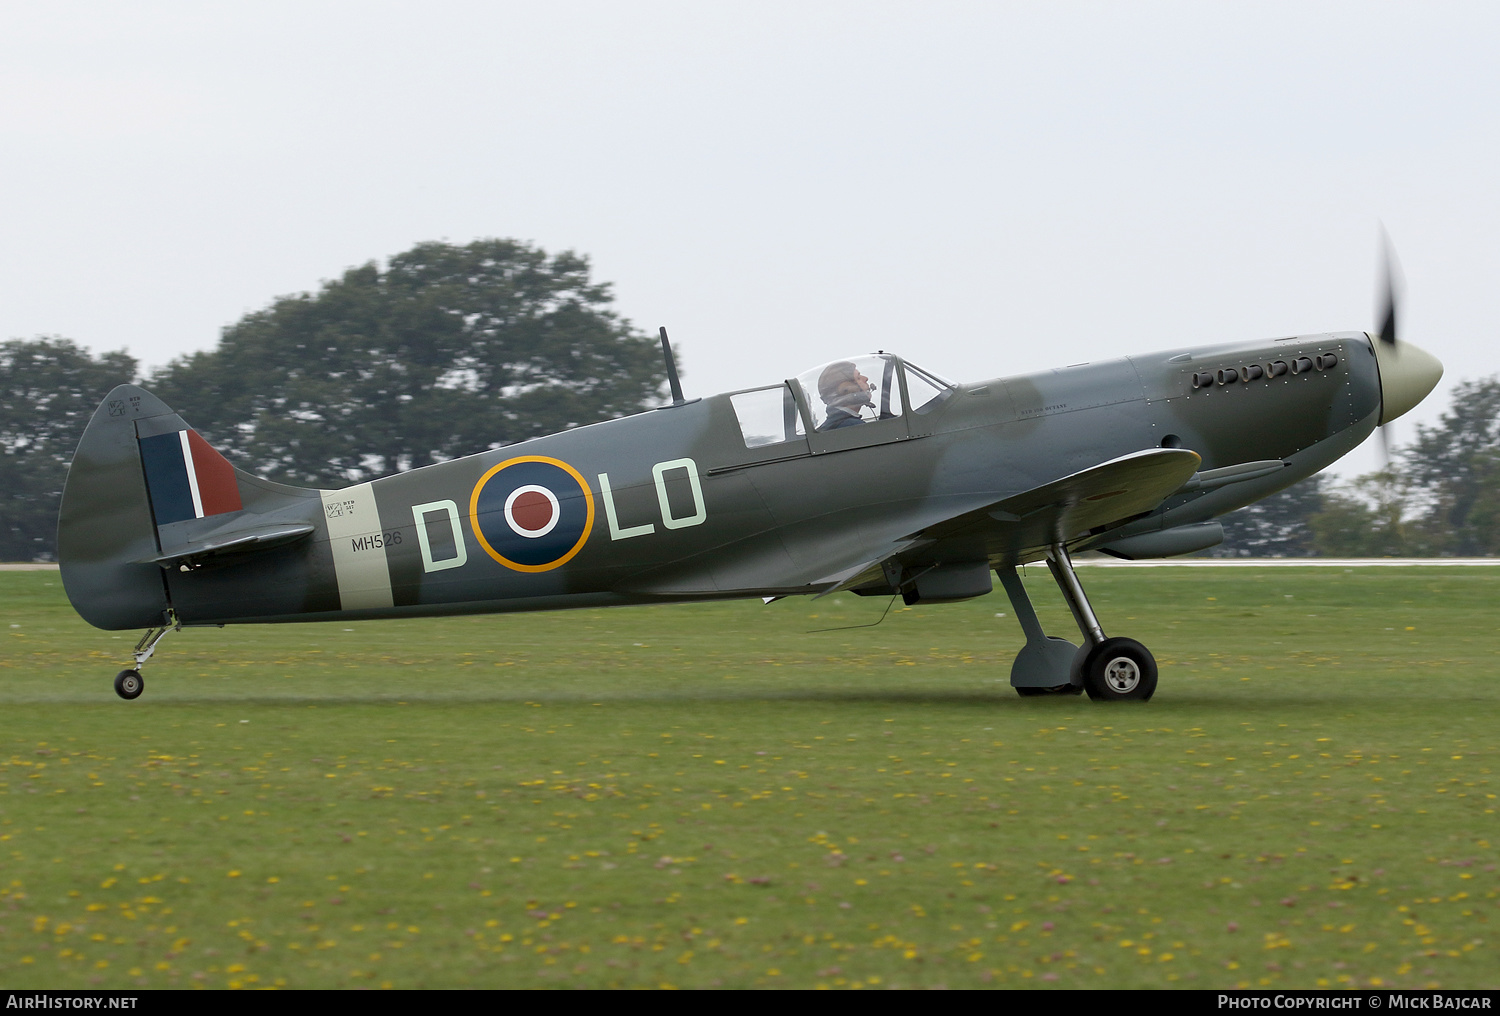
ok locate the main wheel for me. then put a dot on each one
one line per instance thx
(128, 684)
(1119, 669)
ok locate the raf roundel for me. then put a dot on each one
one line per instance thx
(532, 513)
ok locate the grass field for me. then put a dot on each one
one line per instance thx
(709, 795)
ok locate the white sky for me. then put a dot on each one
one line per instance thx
(987, 188)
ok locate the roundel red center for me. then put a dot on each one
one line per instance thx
(531, 510)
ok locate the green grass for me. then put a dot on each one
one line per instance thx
(708, 794)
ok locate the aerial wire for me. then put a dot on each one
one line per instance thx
(889, 603)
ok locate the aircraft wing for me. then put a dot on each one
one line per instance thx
(1059, 511)
(1020, 527)
(815, 557)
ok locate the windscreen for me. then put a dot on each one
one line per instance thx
(925, 389)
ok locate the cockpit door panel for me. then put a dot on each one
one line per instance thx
(874, 433)
(771, 426)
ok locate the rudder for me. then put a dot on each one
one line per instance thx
(138, 467)
(105, 532)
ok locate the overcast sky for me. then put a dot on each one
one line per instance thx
(987, 188)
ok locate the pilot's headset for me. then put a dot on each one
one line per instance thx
(834, 376)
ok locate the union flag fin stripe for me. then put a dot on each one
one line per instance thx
(217, 488)
(186, 478)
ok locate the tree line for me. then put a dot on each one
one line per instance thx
(445, 351)
(450, 350)
(1439, 496)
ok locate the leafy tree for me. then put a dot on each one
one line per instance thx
(1371, 516)
(447, 351)
(1278, 526)
(1456, 465)
(49, 387)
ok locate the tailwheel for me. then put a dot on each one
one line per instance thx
(1119, 669)
(128, 684)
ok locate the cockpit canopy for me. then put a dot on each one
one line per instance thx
(870, 388)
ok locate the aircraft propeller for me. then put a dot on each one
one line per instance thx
(1407, 373)
(1386, 315)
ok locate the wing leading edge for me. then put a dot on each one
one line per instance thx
(1019, 528)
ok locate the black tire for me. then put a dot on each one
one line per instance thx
(128, 684)
(1119, 670)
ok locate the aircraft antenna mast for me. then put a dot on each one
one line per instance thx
(676, 385)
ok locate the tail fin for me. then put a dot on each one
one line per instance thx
(146, 492)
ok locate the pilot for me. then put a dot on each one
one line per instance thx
(845, 391)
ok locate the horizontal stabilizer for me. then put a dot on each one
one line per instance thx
(235, 542)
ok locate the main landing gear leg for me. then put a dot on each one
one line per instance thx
(1044, 665)
(128, 683)
(1106, 668)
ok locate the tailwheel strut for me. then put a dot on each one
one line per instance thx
(129, 683)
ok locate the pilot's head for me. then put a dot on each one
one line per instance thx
(842, 385)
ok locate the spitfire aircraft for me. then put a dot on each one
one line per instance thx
(867, 473)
